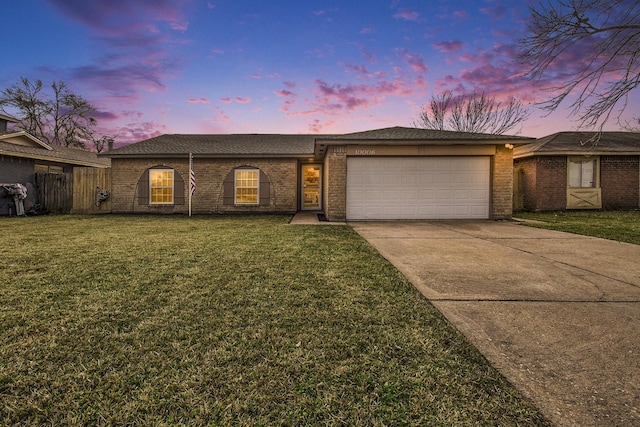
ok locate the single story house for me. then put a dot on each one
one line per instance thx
(22, 155)
(578, 170)
(391, 173)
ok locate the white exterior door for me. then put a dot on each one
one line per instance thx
(451, 187)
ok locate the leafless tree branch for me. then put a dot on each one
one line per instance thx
(607, 34)
(474, 113)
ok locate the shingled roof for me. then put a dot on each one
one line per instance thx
(419, 134)
(287, 145)
(231, 145)
(582, 143)
(38, 150)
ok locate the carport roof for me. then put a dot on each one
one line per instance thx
(582, 143)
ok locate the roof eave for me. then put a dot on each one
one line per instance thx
(53, 159)
(575, 153)
(322, 143)
(28, 135)
(205, 155)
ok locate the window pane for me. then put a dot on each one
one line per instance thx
(588, 173)
(582, 173)
(575, 173)
(161, 186)
(247, 182)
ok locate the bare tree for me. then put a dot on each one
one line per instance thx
(473, 113)
(102, 143)
(607, 35)
(59, 118)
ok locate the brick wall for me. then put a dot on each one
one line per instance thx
(551, 183)
(335, 185)
(528, 184)
(620, 182)
(502, 183)
(210, 175)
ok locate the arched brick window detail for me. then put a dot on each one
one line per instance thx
(143, 187)
(264, 195)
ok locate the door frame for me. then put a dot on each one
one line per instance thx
(302, 187)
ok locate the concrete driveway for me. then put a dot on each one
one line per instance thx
(558, 314)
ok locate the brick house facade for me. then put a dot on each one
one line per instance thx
(287, 173)
(129, 195)
(549, 169)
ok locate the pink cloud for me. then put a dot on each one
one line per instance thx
(255, 76)
(134, 132)
(317, 126)
(496, 11)
(133, 42)
(220, 116)
(407, 15)
(415, 61)
(246, 100)
(361, 70)
(284, 93)
(449, 46)
(461, 14)
(336, 99)
(226, 100)
(117, 17)
(198, 101)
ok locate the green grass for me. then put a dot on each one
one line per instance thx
(138, 320)
(623, 226)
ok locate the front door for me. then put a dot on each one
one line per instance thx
(311, 181)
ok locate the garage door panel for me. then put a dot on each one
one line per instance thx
(418, 187)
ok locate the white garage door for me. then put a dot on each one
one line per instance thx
(418, 187)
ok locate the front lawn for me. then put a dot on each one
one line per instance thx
(139, 320)
(623, 226)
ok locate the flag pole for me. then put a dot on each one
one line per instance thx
(190, 180)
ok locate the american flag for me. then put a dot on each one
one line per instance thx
(192, 176)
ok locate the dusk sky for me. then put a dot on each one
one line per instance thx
(258, 66)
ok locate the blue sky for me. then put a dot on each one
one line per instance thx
(233, 66)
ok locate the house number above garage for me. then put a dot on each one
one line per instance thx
(364, 152)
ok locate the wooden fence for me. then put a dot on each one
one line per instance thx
(55, 191)
(85, 191)
(91, 190)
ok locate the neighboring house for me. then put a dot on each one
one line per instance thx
(23, 155)
(392, 173)
(571, 170)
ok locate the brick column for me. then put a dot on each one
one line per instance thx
(502, 183)
(335, 173)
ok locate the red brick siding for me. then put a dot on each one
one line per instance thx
(210, 175)
(528, 168)
(545, 182)
(335, 183)
(502, 184)
(551, 183)
(620, 182)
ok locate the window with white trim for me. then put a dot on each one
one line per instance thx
(161, 186)
(583, 172)
(246, 183)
